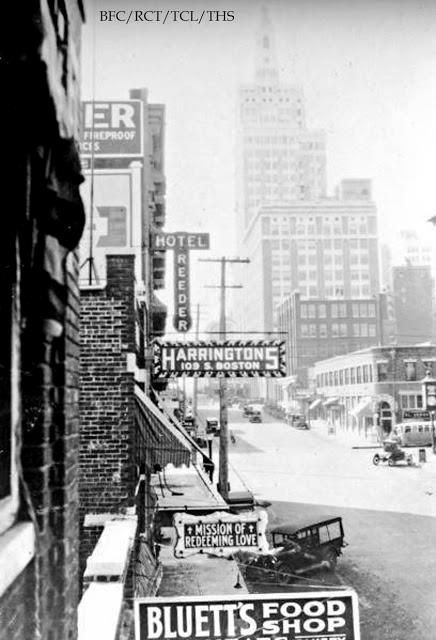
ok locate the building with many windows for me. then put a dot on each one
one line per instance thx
(369, 390)
(321, 328)
(325, 249)
(297, 238)
(279, 159)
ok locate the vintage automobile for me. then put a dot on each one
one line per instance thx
(256, 416)
(298, 548)
(392, 453)
(212, 426)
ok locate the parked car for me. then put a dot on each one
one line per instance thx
(300, 547)
(212, 426)
(256, 416)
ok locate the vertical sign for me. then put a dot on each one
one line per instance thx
(182, 320)
(181, 243)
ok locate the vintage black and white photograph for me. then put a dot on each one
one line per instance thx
(218, 320)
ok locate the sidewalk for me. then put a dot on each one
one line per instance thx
(201, 574)
(353, 440)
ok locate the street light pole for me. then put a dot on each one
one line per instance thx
(223, 472)
(432, 432)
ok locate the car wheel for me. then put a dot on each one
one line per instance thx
(376, 459)
(331, 558)
(391, 462)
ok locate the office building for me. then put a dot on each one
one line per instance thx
(297, 238)
(317, 329)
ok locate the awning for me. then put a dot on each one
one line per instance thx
(364, 407)
(315, 404)
(162, 442)
(207, 462)
(330, 402)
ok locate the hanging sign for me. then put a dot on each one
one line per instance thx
(309, 615)
(181, 242)
(220, 533)
(227, 359)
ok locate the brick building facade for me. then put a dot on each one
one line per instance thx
(373, 387)
(39, 342)
(107, 453)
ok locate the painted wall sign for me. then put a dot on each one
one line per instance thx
(220, 533)
(316, 615)
(111, 129)
(227, 359)
(181, 242)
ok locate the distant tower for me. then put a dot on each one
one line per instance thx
(266, 58)
(278, 160)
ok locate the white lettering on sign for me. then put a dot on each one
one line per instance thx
(318, 615)
(109, 115)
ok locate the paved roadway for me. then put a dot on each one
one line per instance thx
(388, 514)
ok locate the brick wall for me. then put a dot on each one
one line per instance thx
(107, 471)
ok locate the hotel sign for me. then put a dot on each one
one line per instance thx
(181, 243)
(227, 359)
(220, 533)
(312, 615)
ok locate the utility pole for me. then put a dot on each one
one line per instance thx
(195, 382)
(223, 475)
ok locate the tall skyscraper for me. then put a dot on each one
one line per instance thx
(279, 159)
(296, 237)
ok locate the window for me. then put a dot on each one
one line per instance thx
(353, 375)
(382, 371)
(410, 370)
(347, 376)
(303, 311)
(322, 311)
(312, 311)
(372, 332)
(419, 403)
(341, 377)
(365, 373)
(342, 310)
(334, 310)
(336, 378)
(359, 375)
(323, 331)
(355, 310)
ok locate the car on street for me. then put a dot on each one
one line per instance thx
(212, 426)
(256, 416)
(300, 547)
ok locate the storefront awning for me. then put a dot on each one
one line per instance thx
(363, 408)
(162, 442)
(330, 402)
(315, 404)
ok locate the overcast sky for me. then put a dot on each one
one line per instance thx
(368, 69)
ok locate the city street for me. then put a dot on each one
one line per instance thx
(388, 515)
